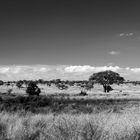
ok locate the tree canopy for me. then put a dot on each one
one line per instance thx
(108, 77)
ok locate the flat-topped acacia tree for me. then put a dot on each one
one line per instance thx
(106, 78)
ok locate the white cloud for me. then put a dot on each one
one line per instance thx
(104, 68)
(121, 34)
(22, 72)
(40, 69)
(79, 68)
(114, 53)
(130, 34)
(4, 69)
(126, 34)
(64, 72)
(88, 68)
(135, 70)
(127, 68)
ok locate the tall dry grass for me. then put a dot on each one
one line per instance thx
(102, 126)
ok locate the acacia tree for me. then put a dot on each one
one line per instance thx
(106, 78)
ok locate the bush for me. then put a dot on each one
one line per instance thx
(83, 93)
(19, 84)
(33, 89)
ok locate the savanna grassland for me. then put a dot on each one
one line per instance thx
(66, 115)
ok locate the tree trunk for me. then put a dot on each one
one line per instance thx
(105, 88)
(109, 88)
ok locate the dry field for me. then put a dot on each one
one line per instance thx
(102, 126)
(120, 91)
(97, 116)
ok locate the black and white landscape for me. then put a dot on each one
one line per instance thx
(69, 70)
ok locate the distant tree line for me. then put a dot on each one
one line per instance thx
(105, 78)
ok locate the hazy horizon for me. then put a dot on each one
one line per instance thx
(64, 72)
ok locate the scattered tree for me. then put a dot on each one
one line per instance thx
(19, 84)
(106, 78)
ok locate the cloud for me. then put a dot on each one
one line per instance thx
(78, 68)
(76, 72)
(50, 72)
(114, 53)
(134, 70)
(88, 68)
(22, 72)
(137, 70)
(126, 34)
(4, 69)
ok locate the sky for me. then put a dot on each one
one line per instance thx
(81, 34)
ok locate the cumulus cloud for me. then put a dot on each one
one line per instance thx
(126, 34)
(135, 70)
(4, 69)
(40, 69)
(79, 68)
(104, 68)
(114, 53)
(63, 72)
(88, 68)
(22, 72)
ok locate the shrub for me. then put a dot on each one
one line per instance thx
(33, 89)
(19, 84)
(83, 93)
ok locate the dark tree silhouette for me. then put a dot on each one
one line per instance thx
(19, 84)
(41, 81)
(1, 82)
(33, 89)
(106, 78)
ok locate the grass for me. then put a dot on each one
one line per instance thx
(102, 126)
(120, 91)
(62, 104)
(69, 119)
(60, 116)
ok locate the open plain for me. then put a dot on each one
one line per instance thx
(65, 115)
